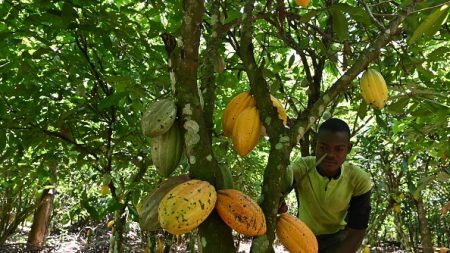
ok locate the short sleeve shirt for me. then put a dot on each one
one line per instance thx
(324, 202)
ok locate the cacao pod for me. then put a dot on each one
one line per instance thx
(246, 131)
(148, 207)
(240, 212)
(158, 118)
(167, 150)
(186, 206)
(240, 102)
(281, 111)
(104, 190)
(302, 3)
(288, 180)
(295, 235)
(373, 89)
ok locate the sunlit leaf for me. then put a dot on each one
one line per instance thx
(431, 24)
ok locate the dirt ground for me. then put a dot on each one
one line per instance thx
(94, 239)
(90, 238)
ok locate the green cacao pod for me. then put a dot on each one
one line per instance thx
(148, 207)
(167, 150)
(158, 118)
(186, 206)
(373, 89)
(288, 179)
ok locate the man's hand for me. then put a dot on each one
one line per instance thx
(352, 241)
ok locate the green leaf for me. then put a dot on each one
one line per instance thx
(380, 121)
(441, 176)
(362, 110)
(439, 54)
(340, 24)
(111, 100)
(2, 139)
(357, 13)
(398, 106)
(291, 60)
(431, 24)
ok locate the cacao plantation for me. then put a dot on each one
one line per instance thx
(153, 126)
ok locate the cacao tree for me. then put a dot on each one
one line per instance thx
(77, 76)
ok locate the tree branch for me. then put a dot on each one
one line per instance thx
(366, 57)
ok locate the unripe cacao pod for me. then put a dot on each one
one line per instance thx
(238, 104)
(295, 235)
(158, 118)
(373, 89)
(148, 207)
(167, 150)
(246, 131)
(186, 206)
(240, 212)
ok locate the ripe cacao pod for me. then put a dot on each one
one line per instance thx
(302, 3)
(167, 150)
(158, 118)
(148, 207)
(240, 212)
(295, 235)
(238, 104)
(186, 206)
(281, 111)
(246, 131)
(373, 89)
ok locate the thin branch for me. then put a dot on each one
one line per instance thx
(377, 23)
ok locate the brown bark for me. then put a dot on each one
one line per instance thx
(425, 234)
(41, 220)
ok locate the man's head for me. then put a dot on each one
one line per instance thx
(333, 139)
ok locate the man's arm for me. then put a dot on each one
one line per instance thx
(358, 220)
(352, 242)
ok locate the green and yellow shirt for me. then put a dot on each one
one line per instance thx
(325, 202)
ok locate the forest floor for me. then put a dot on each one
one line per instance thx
(95, 239)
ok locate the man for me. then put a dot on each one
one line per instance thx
(333, 196)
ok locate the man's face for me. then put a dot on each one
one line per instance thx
(336, 146)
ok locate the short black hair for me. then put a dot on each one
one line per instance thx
(335, 125)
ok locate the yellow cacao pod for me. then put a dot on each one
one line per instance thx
(240, 212)
(281, 111)
(373, 89)
(246, 131)
(104, 190)
(186, 206)
(238, 104)
(148, 206)
(295, 235)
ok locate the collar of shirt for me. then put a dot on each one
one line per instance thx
(335, 177)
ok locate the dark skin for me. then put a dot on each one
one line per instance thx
(336, 146)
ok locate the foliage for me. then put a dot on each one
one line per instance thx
(76, 77)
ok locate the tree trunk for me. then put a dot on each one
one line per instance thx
(116, 242)
(425, 235)
(41, 220)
